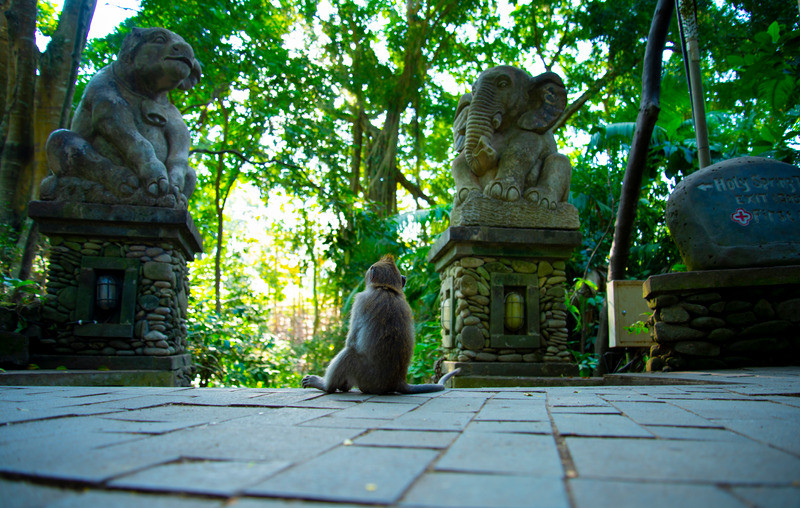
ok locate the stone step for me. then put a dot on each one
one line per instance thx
(87, 378)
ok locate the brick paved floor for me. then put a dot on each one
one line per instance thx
(732, 442)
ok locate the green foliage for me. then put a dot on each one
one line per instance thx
(426, 352)
(315, 353)
(587, 362)
(288, 85)
(238, 350)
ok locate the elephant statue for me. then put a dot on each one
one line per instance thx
(128, 144)
(506, 150)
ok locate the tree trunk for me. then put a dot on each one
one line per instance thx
(632, 181)
(219, 209)
(17, 156)
(4, 54)
(55, 86)
(358, 147)
(382, 161)
(55, 89)
(41, 104)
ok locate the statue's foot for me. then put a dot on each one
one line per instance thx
(158, 187)
(542, 197)
(506, 189)
(47, 189)
(464, 193)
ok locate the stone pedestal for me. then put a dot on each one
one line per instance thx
(502, 297)
(725, 318)
(142, 254)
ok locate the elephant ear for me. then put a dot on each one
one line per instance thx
(547, 99)
(460, 122)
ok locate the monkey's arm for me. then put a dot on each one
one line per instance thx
(312, 381)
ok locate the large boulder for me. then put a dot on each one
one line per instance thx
(737, 213)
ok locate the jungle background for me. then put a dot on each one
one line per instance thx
(322, 140)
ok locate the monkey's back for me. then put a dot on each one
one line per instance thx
(384, 340)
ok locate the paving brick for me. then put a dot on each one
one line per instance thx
(661, 413)
(783, 434)
(732, 409)
(503, 453)
(785, 399)
(78, 433)
(134, 500)
(693, 433)
(344, 423)
(69, 460)
(627, 397)
(416, 398)
(524, 395)
(587, 410)
(221, 478)
(770, 497)
(570, 424)
(740, 462)
(593, 493)
(407, 438)
(454, 405)
(533, 427)
(464, 490)
(16, 412)
(419, 420)
(22, 494)
(355, 474)
(376, 410)
(229, 441)
(513, 410)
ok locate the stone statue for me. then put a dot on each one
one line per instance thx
(508, 167)
(128, 144)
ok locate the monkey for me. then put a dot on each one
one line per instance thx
(380, 340)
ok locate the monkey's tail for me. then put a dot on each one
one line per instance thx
(428, 388)
(447, 376)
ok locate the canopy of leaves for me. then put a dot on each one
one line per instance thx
(341, 113)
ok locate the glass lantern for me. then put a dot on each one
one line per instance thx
(514, 311)
(107, 296)
(446, 309)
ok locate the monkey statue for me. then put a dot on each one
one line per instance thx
(380, 341)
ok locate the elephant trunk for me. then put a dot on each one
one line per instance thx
(478, 151)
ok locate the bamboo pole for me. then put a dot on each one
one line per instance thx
(687, 17)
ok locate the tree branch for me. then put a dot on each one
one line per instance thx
(594, 88)
(244, 158)
(413, 188)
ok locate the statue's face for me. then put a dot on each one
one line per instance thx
(164, 59)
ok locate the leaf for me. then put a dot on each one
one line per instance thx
(774, 31)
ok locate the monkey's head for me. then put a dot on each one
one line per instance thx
(156, 60)
(385, 275)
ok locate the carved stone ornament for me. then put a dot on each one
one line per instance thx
(128, 144)
(508, 171)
